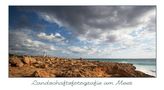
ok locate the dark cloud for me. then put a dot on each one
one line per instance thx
(108, 28)
(111, 38)
(91, 21)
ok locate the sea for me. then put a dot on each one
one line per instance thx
(147, 66)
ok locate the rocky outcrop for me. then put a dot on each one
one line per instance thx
(28, 60)
(41, 73)
(15, 62)
(38, 66)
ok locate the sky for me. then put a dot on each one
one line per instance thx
(83, 31)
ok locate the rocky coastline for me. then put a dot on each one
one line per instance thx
(52, 67)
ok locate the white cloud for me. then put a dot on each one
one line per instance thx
(51, 19)
(37, 45)
(57, 37)
(22, 42)
(108, 25)
(92, 21)
(119, 31)
(76, 49)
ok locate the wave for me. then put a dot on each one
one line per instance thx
(147, 70)
(144, 65)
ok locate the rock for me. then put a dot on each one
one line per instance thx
(41, 65)
(14, 61)
(29, 60)
(33, 60)
(38, 66)
(26, 60)
(39, 62)
(41, 73)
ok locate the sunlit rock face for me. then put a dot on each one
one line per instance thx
(39, 66)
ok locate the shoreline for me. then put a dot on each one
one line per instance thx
(39, 66)
(146, 68)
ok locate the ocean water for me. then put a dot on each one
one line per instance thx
(147, 66)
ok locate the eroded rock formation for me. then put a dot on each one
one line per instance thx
(39, 66)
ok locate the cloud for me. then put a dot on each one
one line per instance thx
(90, 23)
(76, 49)
(82, 17)
(17, 37)
(85, 50)
(50, 19)
(57, 37)
(37, 45)
(21, 41)
(95, 30)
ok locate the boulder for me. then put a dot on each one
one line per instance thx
(41, 73)
(14, 61)
(38, 66)
(29, 60)
(26, 60)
